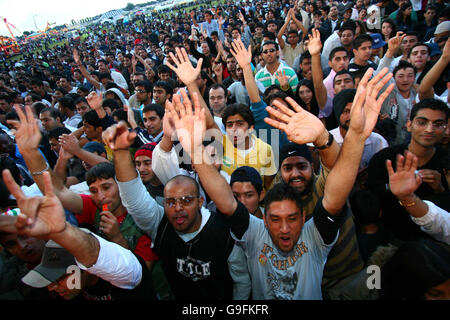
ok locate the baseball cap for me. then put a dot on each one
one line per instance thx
(378, 41)
(145, 150)
(94, 146)
(54, 263)
(292, 150)
(442, 27)
(246, 174)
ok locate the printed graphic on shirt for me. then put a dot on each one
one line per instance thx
(194, 269)
(283, 287)
(282, 263)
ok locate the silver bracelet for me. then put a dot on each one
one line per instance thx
(40, 172)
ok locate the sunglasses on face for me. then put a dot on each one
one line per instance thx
(184, 201)
(269, 50)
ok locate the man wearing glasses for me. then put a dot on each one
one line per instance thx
(194, 244)
(267, 76)
(427, 125)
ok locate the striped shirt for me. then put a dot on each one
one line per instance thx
(267, 79)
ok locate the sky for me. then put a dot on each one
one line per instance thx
(20, 12)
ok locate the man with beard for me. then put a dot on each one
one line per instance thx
(342, 104)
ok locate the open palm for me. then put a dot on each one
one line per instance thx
(300, 126)
(28, 136)
(183, 66)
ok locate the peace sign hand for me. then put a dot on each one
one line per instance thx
(40, 216)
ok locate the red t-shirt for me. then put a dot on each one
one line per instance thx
(143, 246)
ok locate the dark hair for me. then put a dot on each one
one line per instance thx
(67, 102)
(165, 85)
(154, 107)
(163, 69)
(269, 35)
(10, 164)
(343, 72)
(418, 44)
(241, 109)
(333, 52)
(305, 55)
(275, 95)
(216, 86)
(433, 104)
(54, 113)
(282, 191)
(393, 27)
(269, 42)
(113, 104)
(365, 207)
(102, 170)
(348, 25)
(57, 132)
(92, 118)
(37, 82)
(104, 75)
(146, 84)
(359, 40)
(5, 97)
(120, 114)
(34, 96)
(38, 106)
(102, 60)
(80, 99)
(314, 107)
(403, 64)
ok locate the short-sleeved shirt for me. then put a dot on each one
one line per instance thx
(267, 79)
(259, 157)
(88, 216)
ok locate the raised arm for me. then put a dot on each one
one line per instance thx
(191, 128)
(187, 74)
(95, 102)
(303, 127)
(44, 217)
(244, 59)
(426, 86)
(70, 144)
(314, 48)
(83, 70)
(298, 23)
(363, 117)
(282, 30)
(27, 139)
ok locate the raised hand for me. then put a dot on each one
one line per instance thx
(243, 56)
(28, 136)
(404, 181)
(94, 100)
(64, 154)
(218, 69)
(117, 137)
(367, 104)
(300, 126)
(282, 79)
(314, 45)
(76, 56)
(184, 69)
(190, 126)
(69, 143)
(40, 216)
(395, 42)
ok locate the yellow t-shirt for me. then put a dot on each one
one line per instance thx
(260, 157)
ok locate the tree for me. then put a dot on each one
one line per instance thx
(129, 6)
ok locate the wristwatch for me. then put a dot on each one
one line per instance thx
(328, 144)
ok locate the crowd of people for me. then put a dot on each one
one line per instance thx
(249, 150)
